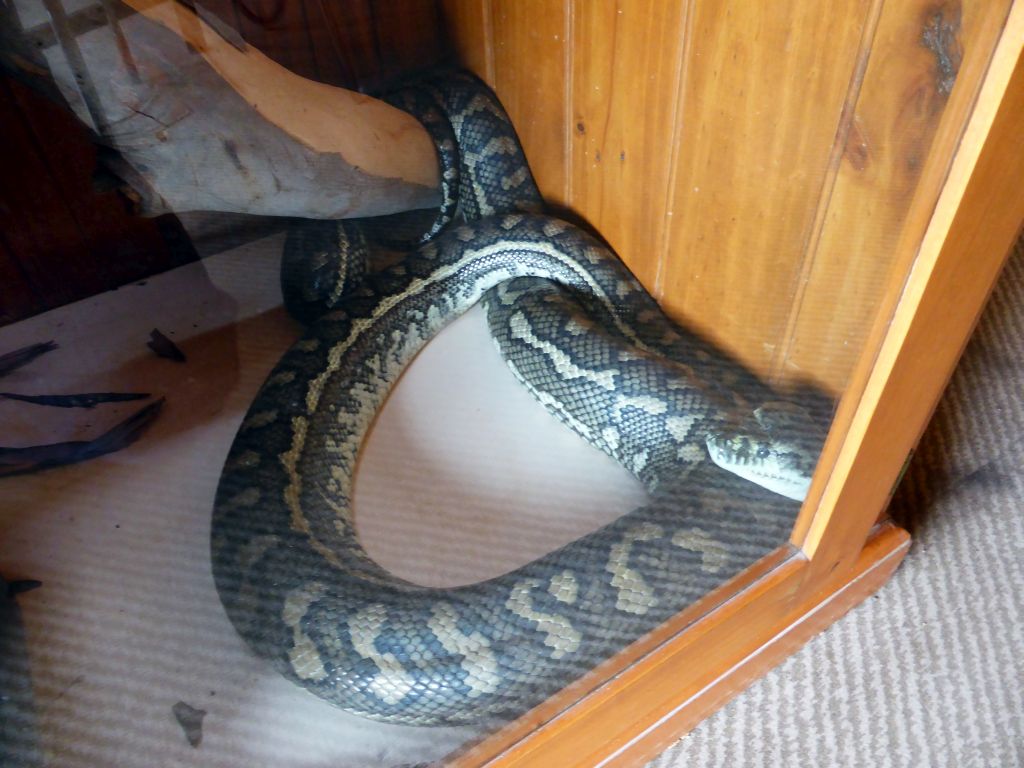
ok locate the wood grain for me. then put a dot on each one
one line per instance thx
(697, 138)
(850, 119)
(761, 194)
(369, 134)
(763, 101)
(626, 68)
(468, 29)
(969, 231)
(62, 241)
(917, 53)
(536, 97)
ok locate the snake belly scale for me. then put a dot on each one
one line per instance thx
(287, 560)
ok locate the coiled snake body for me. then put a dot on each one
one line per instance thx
(576, 328)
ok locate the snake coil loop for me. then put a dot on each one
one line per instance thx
(590, 343)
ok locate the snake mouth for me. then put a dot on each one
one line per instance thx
(754, 458)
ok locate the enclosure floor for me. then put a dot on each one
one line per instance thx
(464, 477)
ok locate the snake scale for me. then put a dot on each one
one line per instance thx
(579, 331)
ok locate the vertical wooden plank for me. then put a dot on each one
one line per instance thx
(468, 27)
(762, 98)
(914, 63)
(17, 299)
(978, 69)
(899, 379)
(329, 58)
(757, 133)
(626, 69)
(409, 36)
(279, 29)
(37, 223)
(536, 96)
(351, 29)
(113, 245)
(787, 187)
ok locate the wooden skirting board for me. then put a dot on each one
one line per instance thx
(761, 617)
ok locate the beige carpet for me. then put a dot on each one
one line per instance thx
(930, 671)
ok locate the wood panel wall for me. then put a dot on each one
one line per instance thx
(359, 44)
(752, 162)
(61, 239)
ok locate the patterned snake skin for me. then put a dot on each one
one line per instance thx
(580, 332)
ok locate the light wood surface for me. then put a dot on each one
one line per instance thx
(691, 674)
(468, 26)
(897, 113)
(538, 95)
(626, 85)
(753, 164)
(763, 98)
(969, 231)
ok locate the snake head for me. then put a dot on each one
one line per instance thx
(777, 448)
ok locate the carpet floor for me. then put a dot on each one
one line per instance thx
(930, 671)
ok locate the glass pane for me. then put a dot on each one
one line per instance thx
(228, 541)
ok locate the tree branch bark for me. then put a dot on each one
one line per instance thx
(202, 121)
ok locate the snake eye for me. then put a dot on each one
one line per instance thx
(764, 452)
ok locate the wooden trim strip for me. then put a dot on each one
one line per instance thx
(948, 137)
(934, 176)
(679, 136)
(569, 94)
(490, 70)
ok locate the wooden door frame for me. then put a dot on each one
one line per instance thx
(965, 217)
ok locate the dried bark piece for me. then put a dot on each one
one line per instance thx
(21, 586)
(191, 721)
(24, 356)
(19, 461)
(88, 400)
(164, 347)
(201, 121)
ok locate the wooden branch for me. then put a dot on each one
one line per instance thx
(201, 121)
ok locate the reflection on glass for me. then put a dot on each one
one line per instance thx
(470, 606)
